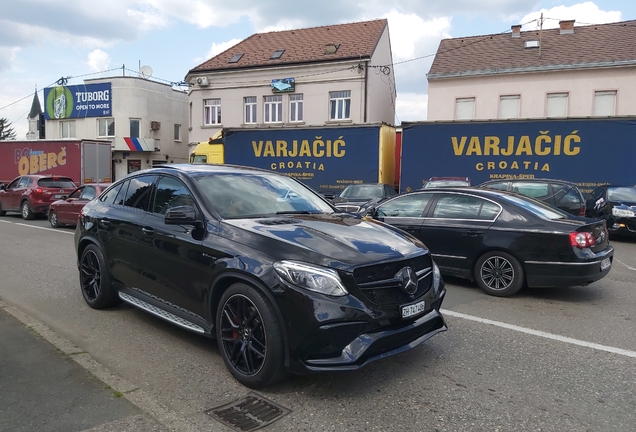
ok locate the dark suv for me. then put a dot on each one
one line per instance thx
(31, 195)
(262, 263)
(559, 193)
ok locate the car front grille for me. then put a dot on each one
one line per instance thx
(379, 285)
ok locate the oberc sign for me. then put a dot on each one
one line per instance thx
(92, 100)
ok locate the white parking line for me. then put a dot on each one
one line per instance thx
(43, 228)
(555, 337)
(631, 268)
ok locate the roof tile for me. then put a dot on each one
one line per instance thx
(301, 46)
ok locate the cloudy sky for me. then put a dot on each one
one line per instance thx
(42, 41)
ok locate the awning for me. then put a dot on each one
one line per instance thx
(135, 144)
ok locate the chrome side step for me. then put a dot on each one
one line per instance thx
(174, 319)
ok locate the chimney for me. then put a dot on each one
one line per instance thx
(516, 30)
(566, 27)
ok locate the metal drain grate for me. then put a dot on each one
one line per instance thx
(248, 413)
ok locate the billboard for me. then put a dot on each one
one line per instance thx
(77, 101)
(283, 85)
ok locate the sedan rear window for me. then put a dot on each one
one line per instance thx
(537, 207)
(54, 182)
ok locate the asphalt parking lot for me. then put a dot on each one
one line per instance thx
(541, 360)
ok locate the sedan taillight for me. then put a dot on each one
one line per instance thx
(582, 239)
(38, 190)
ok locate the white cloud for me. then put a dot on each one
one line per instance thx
(584, 13)
(218, 48)
(411, 36)
(411, 107)
(98, 60)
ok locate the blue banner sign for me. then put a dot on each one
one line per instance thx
(90, 100)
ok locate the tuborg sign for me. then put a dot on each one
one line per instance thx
(91, 100)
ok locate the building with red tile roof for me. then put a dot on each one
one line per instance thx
(330, 75)
(569, 71)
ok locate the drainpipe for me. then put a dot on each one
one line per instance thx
(366, 88)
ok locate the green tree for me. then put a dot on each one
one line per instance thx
(6, 131)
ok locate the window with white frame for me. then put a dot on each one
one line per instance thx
(134, 127)
(212, 111)
(273, 109)
(68, 129)
(557, 105)
(177, 132)
(605, 103)
(509, 106)
(296, 108)
(106, 127)
(340, 105)
(250, 109)
(465, 108)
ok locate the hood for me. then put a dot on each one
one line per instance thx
(332, 240)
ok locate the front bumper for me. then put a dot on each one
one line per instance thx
(623, 226)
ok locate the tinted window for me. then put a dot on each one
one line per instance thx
(564, 194)
(56, 183)
(363, 191)
(88, 193)
(405, 206)
(621, 194)
(171, 193)
(498, 186)
(139, 192)
(109, 197)
(14, 184)
(534, 190)
(537, 207)
(389, 191)
(76, 193)
(465, 207)
(24, 181)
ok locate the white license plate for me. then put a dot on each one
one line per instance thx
(605, 264)
(58, 196)
(414, 309)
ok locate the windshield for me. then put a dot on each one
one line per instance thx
(362, 191)
(259, 194)
(622, 194)
(539, 208)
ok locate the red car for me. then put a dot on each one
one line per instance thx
(31, 195)
(66, 210)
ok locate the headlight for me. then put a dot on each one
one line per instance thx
(620, 212)
(311, 277)
(437, 277)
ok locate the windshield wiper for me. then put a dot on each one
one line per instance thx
(295, 212)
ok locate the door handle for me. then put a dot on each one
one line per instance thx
(474, 233)
(104, 222)
(148, 231)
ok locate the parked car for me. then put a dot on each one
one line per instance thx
(261, 262)
(559, 193)
(66, 210)
(31, 195)
(354, 197)
(501, 240)
(434, 182)
(617, 206)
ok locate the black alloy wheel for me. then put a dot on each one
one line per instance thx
(95, 280)
(55, 223)
(499, 274)
(249, 337)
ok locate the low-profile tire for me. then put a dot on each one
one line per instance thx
(2, 212)
(53, 220)
(25, 209)
(250, 337)
(499, 274)
(95, 280)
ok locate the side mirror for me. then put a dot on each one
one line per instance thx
(183, 215)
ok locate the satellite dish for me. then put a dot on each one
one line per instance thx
(145, 72)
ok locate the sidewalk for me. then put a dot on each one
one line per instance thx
(44, 388)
